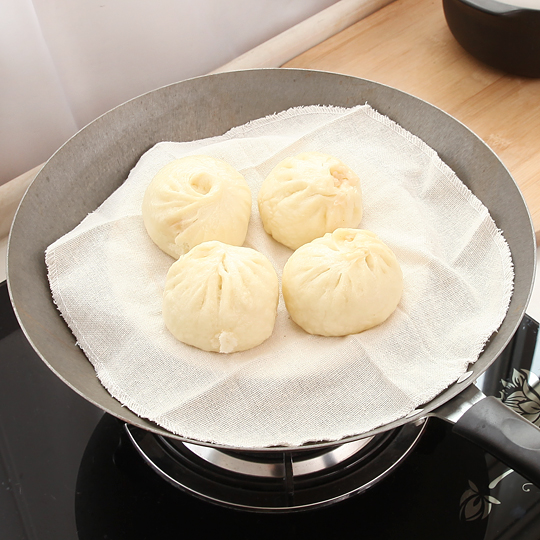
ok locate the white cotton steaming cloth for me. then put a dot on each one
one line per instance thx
(107, 279)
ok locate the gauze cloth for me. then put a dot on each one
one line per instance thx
(107, 279)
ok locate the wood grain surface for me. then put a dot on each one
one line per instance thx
(408, 45)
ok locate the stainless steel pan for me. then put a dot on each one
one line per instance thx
(92, 164)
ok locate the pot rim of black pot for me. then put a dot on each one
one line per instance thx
(498, 8)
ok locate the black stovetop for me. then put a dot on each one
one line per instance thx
(68, 471)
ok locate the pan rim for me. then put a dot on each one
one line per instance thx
(453, 390)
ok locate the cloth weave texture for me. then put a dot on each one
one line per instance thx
(107, 279)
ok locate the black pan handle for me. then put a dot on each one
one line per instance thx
(505, 434)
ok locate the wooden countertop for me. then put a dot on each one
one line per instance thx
(407, 45)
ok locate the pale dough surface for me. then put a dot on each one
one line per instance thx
(343, 283)
(221, 298)
(196, 199)
(308, 195)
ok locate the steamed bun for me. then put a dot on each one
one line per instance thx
(195, 199)
(343, 283)
(221, 298)
(308, 195)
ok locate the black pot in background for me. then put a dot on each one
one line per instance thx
(503, 36)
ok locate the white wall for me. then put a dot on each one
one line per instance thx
(65, 62)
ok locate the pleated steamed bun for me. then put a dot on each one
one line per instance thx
(221, 298)
(343, 283)
(307, 196)
(193, 200)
